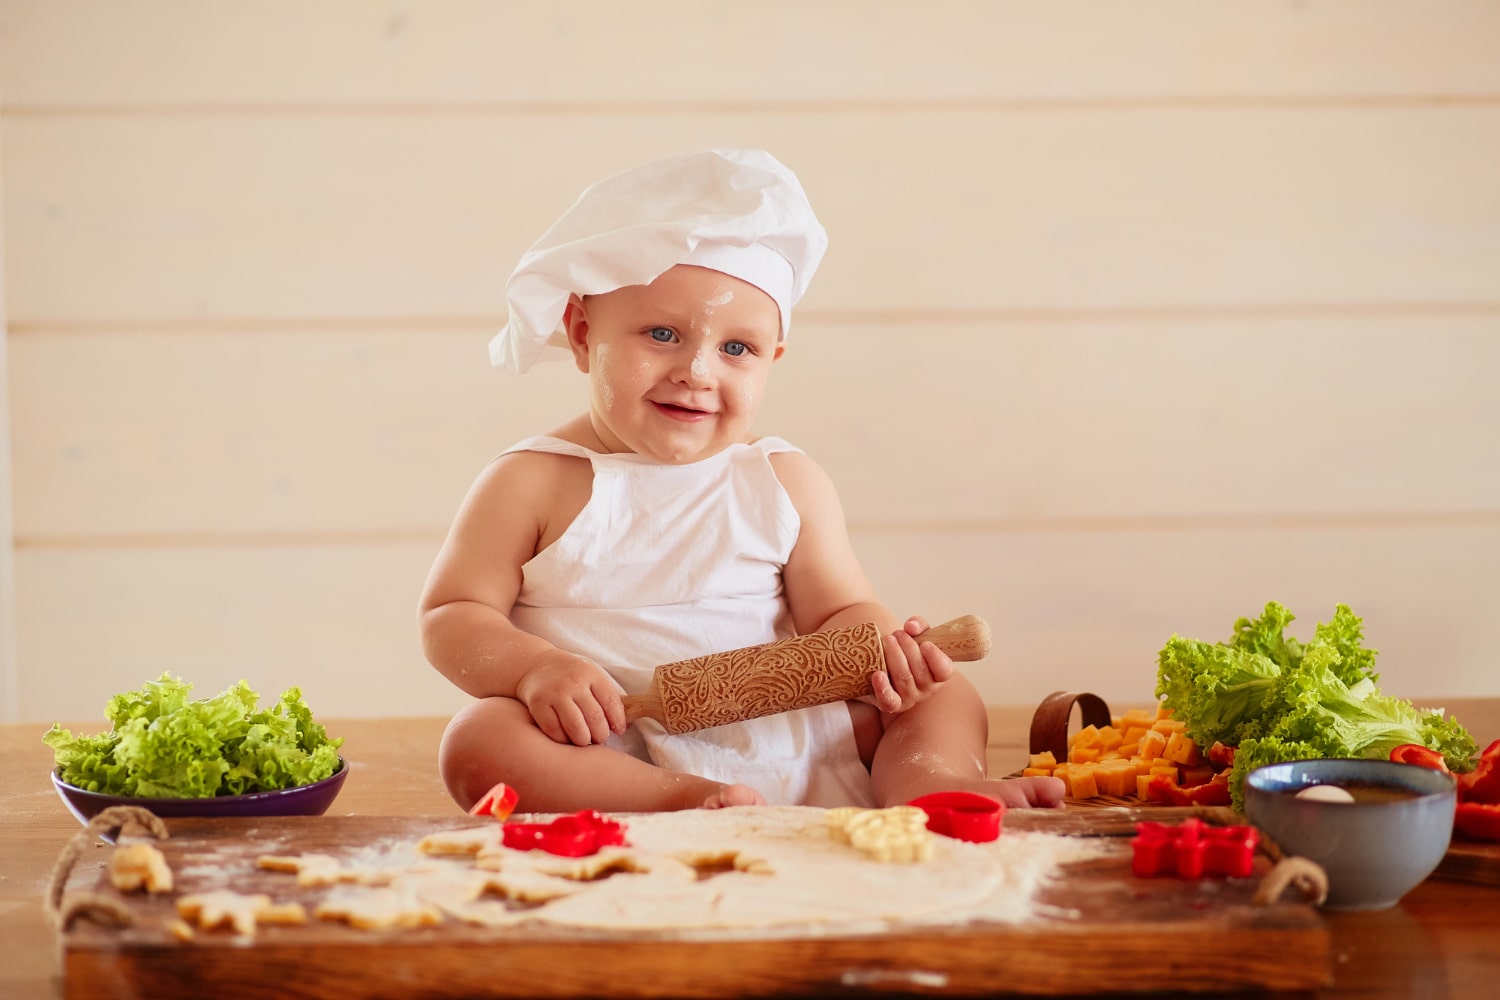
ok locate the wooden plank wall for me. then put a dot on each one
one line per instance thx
(1135, 315)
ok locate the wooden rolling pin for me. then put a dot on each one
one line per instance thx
(780, 676)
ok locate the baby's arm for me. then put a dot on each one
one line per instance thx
(466, 630)
(826, 587)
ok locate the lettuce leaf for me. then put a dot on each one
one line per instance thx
(1276, 700)
(165, 745)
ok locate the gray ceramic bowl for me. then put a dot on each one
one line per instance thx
(1374, 852)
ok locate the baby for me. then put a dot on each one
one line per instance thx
(657, 526)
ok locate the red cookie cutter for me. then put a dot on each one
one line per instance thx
(962, 815)
(572, 836)
(1192, 849)
(498, 802)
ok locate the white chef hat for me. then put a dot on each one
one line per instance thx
(739, 211)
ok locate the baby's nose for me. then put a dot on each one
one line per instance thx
(696, 371)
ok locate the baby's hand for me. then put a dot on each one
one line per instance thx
(913, 669)
(572, 700)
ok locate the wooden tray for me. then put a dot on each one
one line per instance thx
(1102, 930)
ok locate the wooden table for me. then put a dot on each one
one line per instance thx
(1440, 941)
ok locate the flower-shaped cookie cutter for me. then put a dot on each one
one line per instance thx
(572, 836)
(1192, 850)
(575, 835)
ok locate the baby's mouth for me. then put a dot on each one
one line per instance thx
(680, 411)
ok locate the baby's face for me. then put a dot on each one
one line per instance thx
(677, 368)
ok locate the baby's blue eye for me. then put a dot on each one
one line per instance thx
(662, 334)
(736, 348)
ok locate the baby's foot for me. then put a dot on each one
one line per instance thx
(1028, 793)
(1016, 793)
(740, 795)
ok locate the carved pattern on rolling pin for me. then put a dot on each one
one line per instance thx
(791, 673)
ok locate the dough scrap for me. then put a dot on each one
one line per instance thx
(897, 834)
(375, 909)
(240, 911)
(317, 870)
(525, 885)
(591, 867)
(139, 866)
(310, 869)
(468, 841)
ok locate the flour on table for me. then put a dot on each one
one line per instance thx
(705, 872)
(313, 870)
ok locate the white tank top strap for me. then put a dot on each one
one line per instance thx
(552, 446)
(774, 445)
(557, 446)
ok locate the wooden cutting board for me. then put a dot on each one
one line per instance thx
(1102, 930)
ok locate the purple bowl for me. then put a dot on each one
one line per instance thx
(304, 800)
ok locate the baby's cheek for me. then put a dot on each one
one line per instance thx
(743, 398)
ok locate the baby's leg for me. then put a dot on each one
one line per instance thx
(495, 740)
(939, 745)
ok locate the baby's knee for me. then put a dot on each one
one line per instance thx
(473, 747)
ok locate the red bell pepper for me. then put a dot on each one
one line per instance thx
(1416, 753)
(1214, 792)
(1483, 783)
(1160, 788)
(1480, 820)
(1220, 756)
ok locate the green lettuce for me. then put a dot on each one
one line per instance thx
(1275, 699)
(162, 744)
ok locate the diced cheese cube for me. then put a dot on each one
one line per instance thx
(1044, 759)
(1036, 772)
(1081, 783)
(1152, 744)
(1181, 748)
(1088, 736)
(1083, 755)
(1118, 781)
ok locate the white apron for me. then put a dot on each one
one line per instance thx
(669, 562)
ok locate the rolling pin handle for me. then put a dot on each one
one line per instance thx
(646, 705)
(965, 638)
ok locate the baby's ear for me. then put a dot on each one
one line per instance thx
(576, 326)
